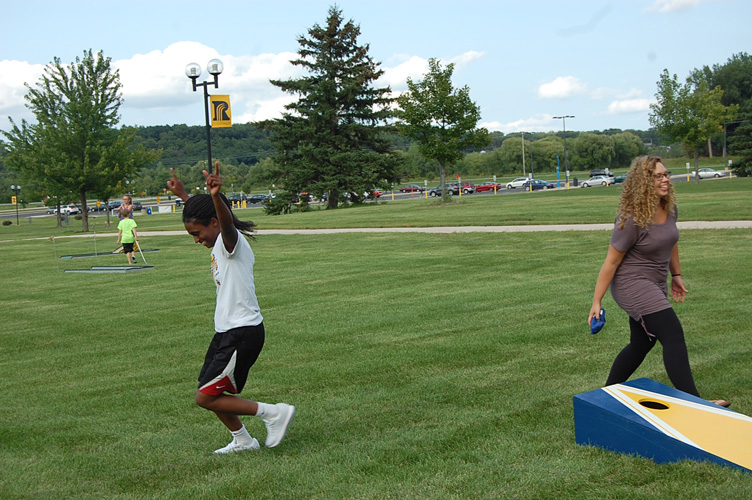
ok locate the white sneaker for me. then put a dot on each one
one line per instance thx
(234, 446)
(276, 427)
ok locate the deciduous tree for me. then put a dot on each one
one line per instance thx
(442, 119)
(689, 113)
(74, 148)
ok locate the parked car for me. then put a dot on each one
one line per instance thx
(437, 191)
(257, 198)
(537, 184)
(594, 173)
(598, 180)
(101, 208)
(412, 188)
(375, 194)
(620, 178)
(467, 188)
(70, 209)
(707, 173)
(517, 183)
(237, 197)
(137, 206)
(51, 210)
(113, 205)
(488, 186)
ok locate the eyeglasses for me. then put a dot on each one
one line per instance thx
(661, 176)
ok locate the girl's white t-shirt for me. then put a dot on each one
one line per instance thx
(237, 304)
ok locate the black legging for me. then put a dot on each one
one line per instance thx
(667, 329)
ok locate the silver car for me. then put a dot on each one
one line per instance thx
(598, 180)
(517, 183)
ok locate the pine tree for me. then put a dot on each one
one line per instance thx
(331, 140)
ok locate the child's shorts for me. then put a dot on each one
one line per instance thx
(229, 358)
(127, 247)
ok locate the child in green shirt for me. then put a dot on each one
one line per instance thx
(127, 235)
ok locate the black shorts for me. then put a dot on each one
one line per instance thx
(127, 247)
(229, 358)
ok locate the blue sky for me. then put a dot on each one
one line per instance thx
(525, 61)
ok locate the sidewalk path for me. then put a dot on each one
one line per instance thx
(730, 224)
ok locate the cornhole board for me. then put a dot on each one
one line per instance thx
(646, 418)
(111, 269)
(118, 252)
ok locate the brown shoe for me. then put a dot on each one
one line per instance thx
(721, 402)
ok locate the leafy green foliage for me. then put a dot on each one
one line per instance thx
(74, 148)
(689, 113)
(440, 118)
(331, 139)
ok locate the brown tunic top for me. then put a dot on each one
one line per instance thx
(640, 282)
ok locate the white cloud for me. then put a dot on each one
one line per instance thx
(563, 86)
(537, 123)
(13, 75)
(629, 106)
(466, 58)
(157, 80)
(675, 5)
(395, 77)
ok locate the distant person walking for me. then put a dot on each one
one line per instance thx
(238, 323)
(642, 252)
(127, 235)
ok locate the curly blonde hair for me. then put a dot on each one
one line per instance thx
(638, 198)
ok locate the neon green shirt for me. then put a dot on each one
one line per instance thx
(127, 226)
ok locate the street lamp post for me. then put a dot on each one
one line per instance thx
(193, 71)
(566, 160)
(15, 190)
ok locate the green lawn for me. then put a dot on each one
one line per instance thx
(422, 365)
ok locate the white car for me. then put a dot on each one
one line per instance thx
(517, 183)
(707, 173)
(598, 180)
(70, 209)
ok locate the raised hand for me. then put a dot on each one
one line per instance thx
(176, 186)
(213, 180)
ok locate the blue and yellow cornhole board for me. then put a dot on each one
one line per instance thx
(646, 418)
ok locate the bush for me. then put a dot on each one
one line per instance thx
(281, 204)
(7, 222)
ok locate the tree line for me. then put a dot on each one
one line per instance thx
(342, 136)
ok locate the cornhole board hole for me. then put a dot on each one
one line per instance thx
(111, 269)
(646, 418)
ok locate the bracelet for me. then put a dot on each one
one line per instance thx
(675, 275)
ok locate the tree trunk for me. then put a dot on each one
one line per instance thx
(84, 212)
(442, 177)
(710, 147)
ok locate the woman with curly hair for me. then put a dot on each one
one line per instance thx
(642, 252)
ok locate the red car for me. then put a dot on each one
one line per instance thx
(412, 188)
(488, 186)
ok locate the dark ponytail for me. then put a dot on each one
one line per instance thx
(200, 209)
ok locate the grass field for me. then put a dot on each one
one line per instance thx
(422, 365)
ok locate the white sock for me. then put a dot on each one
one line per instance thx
(266, 411)
(241, 436)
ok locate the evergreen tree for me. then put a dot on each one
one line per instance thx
(332, 138)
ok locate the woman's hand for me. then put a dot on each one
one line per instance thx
(595, 312)
(678, 290)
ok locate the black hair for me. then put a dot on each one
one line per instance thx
(200, 209)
